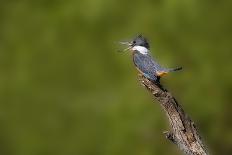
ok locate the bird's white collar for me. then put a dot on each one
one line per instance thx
(141, 49)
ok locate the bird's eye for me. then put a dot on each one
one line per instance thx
(134, 42)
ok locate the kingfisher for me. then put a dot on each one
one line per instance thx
(143, 60)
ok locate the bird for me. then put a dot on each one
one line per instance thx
(144, 61)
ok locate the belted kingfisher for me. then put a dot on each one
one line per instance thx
(143, 60)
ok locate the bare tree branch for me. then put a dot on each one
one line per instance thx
(184, 132)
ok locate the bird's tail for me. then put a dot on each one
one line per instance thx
(174, 69)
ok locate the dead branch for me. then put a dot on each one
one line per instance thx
(184, 132)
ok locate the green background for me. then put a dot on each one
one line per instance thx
(65, 90)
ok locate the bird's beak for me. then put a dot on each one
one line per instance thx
(128, 44)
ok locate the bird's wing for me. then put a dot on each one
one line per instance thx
(146, 64)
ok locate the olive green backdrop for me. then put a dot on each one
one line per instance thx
(65, 90)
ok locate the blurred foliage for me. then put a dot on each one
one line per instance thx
(65, 90)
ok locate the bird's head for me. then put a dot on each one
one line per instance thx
(139, 44)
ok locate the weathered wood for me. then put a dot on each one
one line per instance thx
(184, 132)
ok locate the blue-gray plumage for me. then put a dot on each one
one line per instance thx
(144, 62)
(146, 65)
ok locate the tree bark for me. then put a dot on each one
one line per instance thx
(184, 132)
